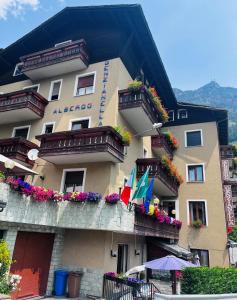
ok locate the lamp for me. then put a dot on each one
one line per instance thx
(2, 205)
(113, 253)
(154, 126)
(137, 252)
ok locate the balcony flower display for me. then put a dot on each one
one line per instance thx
(171, 169)
(2, 177)
(125, 134)
(93, 197)
(137, 86)
(171, 139)
(159, 215)
(58, 197)
(76, 196)
(197, 224)
(112, 198)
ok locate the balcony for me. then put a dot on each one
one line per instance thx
(139, 111)
(17, 149)
(226, 151)
(21, 106)
(147, 226)
(78, 146)
(54, 61)
(165, 184)
(160, 146)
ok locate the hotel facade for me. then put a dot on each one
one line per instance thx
(64, 91)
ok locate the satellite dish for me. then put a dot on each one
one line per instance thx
(33, 154)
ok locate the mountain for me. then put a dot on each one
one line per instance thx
(214, 95)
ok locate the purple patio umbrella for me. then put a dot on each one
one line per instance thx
(169, 263)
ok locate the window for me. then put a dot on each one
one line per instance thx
(122, 262)
(80, 124)
(48, 128)
(145, 153)
(195, 173)
(197, 212)
(55, 90)
(21, 132)
(34, 88)
(18, 69)
(193, 138)
(202, 256)
(73, 180)
(171, 116)
(182, 114)
(169, 208)
(84, 85)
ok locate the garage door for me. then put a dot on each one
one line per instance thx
(31, 260)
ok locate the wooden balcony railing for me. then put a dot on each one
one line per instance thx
(158, 171)
(73, 50)
(146, 225)
(129, 100)
(17, 149)
(160, 142)
(84, 141)
(24, 99)
(226, 151)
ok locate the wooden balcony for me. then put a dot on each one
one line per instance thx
(160, 146)
(165, 184)
(78, 146)
(147, 226)
(20, 106)
(17, 149)
(54, 61)
(226, 151)
(139, 111)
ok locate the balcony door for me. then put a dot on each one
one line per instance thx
(122, 261)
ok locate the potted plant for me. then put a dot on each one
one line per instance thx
(171, 139)
(135, 86)
(112, 198)
(93, 197)
(125, 134)
(197, 224)
(2, 177)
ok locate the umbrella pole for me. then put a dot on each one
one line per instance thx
(173, 279)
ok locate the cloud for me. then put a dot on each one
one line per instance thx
(16, 7)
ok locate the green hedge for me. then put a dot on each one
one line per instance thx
(205, 280)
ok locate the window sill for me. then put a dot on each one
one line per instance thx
(83, 95)
(54, 100)
(195, 181)
(193, 146)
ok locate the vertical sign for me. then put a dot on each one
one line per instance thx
(103, 96)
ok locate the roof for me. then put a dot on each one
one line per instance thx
(110, 31)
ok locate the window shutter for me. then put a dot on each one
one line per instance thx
(85, 81)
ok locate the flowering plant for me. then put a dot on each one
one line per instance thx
(76, 196)
(159, 215)
(112, 198)
(93, 197)
(171, 139)
(197, 224)
(58, 197)
(138, 86)
(171, 169)
(126, 135)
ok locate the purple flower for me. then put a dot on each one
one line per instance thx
(112, 198)
(93, 197)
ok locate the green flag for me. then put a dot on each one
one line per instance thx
(142, 186)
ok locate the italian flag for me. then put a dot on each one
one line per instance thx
(126, 192)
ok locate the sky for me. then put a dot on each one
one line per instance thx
(197, 39)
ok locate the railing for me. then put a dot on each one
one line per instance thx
(160, 141)
(226, 151)
(23, 99)
(147, 226)
(157, 170)
(116, 289)
(128, 99)
(89, 140)
(76, 49)
(17, 148)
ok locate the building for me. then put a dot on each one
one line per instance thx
(63, 89)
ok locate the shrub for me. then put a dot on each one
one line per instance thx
(135, 86)
(206, 280)
(5, 259)
(126, 135)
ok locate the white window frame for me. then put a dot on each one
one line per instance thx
(16, 66)
(21, 127)
(185, 138)
(48, 123)
(51, 89)
(79, 119)
(76, 82)
(73, 170)
(188, 212)
(203, 169)
(178, 115)
(176, 201)
(171, 111)
(32, 86)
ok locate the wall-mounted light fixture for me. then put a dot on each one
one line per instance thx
(2, 205)
(137, 252)
(113, 253)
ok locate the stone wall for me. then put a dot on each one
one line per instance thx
(101, 216)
